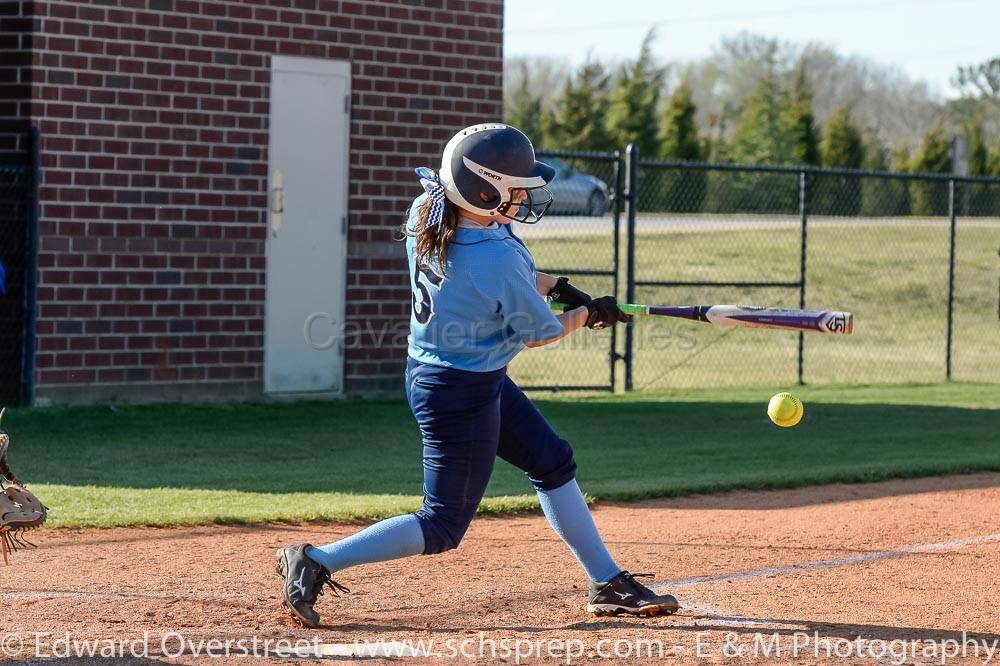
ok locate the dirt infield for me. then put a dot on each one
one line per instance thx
(902, 564)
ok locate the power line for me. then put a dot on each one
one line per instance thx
(825, 9)
(919, 55)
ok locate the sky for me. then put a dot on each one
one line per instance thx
(926, 39)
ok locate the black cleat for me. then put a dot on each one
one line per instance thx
(304, 581)
(624, 594)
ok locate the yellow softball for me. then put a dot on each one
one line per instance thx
(785, 410)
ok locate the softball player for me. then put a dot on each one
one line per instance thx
(477, 302)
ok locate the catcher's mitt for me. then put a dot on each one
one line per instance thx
(20, 510)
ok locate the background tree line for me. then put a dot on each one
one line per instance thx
(760, 101)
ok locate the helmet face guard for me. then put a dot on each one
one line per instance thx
(491, 170)
(531, 209)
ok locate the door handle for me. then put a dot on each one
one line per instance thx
(277, 201)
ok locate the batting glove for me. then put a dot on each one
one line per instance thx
(603, 312)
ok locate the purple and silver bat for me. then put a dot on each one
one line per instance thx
(749, 316)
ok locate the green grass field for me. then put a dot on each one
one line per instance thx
(893, 274)
(353, 460)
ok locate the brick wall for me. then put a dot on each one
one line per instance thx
(15, 81)
(153, 115)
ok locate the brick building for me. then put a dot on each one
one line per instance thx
(162, 213)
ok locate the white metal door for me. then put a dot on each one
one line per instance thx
(307, 225)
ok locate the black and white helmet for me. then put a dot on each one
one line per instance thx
(484, 167)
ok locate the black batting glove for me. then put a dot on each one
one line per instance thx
(567, 294)
(603, 312)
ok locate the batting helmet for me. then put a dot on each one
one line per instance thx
(484, 167)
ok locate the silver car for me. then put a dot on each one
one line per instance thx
(575, 192)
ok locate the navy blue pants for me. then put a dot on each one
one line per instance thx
(466, 420)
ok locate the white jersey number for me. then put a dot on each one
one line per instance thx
(423, 303)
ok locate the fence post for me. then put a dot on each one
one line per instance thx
(951, 275)
(30, 268)
(616, 211)
(804, 215)
(631, 163)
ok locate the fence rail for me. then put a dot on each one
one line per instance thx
(915, 256)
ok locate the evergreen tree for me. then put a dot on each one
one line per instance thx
(979, 157)
(876, 155)
(679, 139)
(760, 137)
(842, 147)
(801, 122)
(713, 145)
(881, 197)
(708, 148)
(523, 110)
(934, 156)
(682, 190)
(899, 159)
(576, 120)
(634, 101)
(898, 190)
(977, 198)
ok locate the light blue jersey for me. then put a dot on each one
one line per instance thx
(477, 316)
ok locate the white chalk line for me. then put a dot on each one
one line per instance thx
(862, 558)
(37, 595)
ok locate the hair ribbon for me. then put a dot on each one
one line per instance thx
(431, 183)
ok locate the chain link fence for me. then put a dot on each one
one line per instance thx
(712, 237)
(914, 257)
(16, 275)
(580, 237)
(975, 311)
